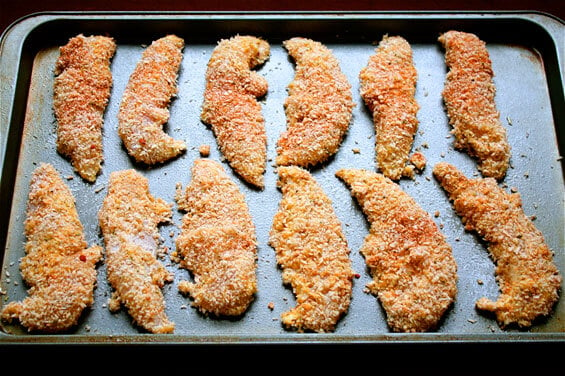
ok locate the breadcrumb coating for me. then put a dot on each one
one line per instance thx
(145, 103)
(469, 95)
(318, 108)
(217, 242)
(312, 251)
(412, 265)
(128, 219)
(528, 279)
(231, 108)
(81, 92)
(388, 87)
(58, 267)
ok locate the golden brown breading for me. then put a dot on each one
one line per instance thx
(528, 279)
(217, 242)
(312, 251)
(145, 103)
(318, 108)
(469, 98)
(58, 266)
(128, 219)
(412, 265)
(388, 87)
(231, 108)
(80, 95)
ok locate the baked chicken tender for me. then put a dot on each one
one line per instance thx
(145, 103)
(58, 266)
(312, 251)
(388, 87)
(318, 108)
(128, 219)
(527, 276)
(81, 92)
(217, 242)
(469, 95)
(231, 108)
(412, 265)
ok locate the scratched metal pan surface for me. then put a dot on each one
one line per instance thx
(527, 55)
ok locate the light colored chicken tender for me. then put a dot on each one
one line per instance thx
(388, 87)
(217, 242)
(469, 95)
(412, 265)
(58, 267)
(128, 219)
(318, 108)
(81, 92)
(231, 108)
(313, 253)
(528, 279)
(145, 103)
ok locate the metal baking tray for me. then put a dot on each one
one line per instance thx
(527, 52)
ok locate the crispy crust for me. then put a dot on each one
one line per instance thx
(231, 108)
(412, 265)
(529, 280)
(388, 87)
(145, 102)
(128, 219)
(217, 242)
(58, 266)
(312, 251)
(469, 98)
(318, 108)
(80, 95)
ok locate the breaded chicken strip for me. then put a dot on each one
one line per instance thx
(217, 242)
(231, 108)
(318, 108)
(527, 276)
(388, 87)
(58, 266)
(145, 103)
(412, 265)
(312, 251)
(469, 98)
(129, 218)
(80, 95)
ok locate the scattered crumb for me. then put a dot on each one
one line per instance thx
(418, 160)
(271, 305)
(204, 150)
(480, 281)
(436, 214)
(356, 150)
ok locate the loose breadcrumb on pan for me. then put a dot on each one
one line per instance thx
(58, 267)
(318, 108)
(81, 92)
(412, 265)
(231, 108)
(312, 251)
(388, 87)
(469, 96)
(217, 242)
(128, 219)
(529, 280)
(144, 108)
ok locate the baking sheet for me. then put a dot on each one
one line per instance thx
(529, 97)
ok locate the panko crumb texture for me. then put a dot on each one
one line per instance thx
(412, 264)
(59, 267)
(312, 251)
(128, 219)
(529, 280)
(81, 92)
(217, 243)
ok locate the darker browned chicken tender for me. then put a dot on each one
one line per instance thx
(80, 95)
(412, 265)
(469, 98)
(58, 266)
(231, 108)
(528, 279)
